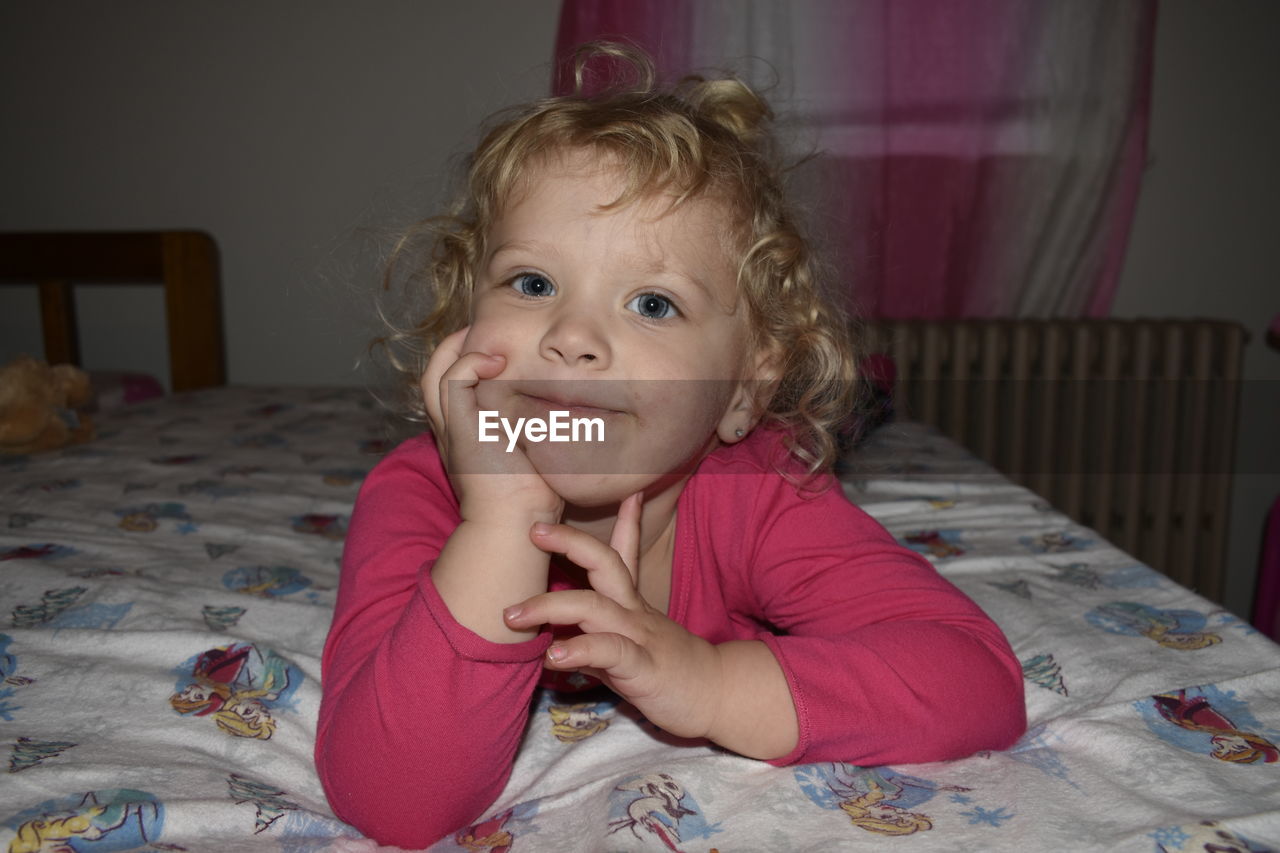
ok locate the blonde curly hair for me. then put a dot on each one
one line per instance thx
(698, 138)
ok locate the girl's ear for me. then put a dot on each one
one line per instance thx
(752, 396)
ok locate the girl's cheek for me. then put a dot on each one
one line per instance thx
(480, 338)
(488, 332)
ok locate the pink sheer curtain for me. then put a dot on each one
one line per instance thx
(979, 159)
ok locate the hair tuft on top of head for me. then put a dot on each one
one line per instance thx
(729, 103)
(611, 67)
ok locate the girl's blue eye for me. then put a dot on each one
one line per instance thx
(533, 284)
(653, 306)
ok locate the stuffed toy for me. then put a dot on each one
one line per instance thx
(38, 406)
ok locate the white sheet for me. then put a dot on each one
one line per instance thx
(192, 552)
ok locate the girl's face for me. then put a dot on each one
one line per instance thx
(630, 316)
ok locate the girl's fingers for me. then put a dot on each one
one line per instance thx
(452, 373)
(448, 352)
(625, 538)
(607, 573)
(611, 654)
(443, 367)
(589, 610)
(457, 385)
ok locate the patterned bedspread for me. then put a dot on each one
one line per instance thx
(165, 592)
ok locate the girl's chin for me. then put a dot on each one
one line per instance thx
(607, 490)
(595, 490)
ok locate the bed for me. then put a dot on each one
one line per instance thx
(165, 592)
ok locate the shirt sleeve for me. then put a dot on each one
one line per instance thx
(887, 661)
(420, 718)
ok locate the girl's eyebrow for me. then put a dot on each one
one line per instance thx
(530, 246)
(655, 266)
(659, 268)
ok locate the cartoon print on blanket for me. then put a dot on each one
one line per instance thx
(145, 519)
(221, 618)
(37, 551)
(1132, 576)
(239, 686)
(1020, 588)
(657, 806)
(878, 799)
(265, 581)
(10, 679)
(49, 487)
(940, 544)
(1055, 542)
(1227, 620)
(575, 714)
(274, 811)
(218, 549)
(494, 834)
(376, 446)
(328, 526)
(96, 572)
(1173, 629)
(104, 821)
(1206, 835)
(487, 836)
(1091, 577)
(60, 608)
(1210, 721)
(572, 723)
(1044, 671)
(28, 752)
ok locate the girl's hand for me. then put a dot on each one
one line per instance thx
(486, 479)
(672, 676)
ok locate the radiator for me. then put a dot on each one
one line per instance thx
(1127, 426)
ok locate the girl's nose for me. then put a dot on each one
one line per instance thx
(576, 339)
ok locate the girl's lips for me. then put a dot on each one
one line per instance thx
(570, 405)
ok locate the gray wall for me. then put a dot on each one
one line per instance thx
(289, 130)
(298, 133)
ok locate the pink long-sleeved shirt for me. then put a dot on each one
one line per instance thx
(887, 662)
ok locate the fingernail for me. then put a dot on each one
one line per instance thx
(541, 528)
(512, 613)
(557, 652)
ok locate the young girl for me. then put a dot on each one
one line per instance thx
(627, 259)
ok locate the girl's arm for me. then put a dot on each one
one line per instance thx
(426, 690)
(421, 715)
(886, 660)
(488, 562)
(757, 716)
